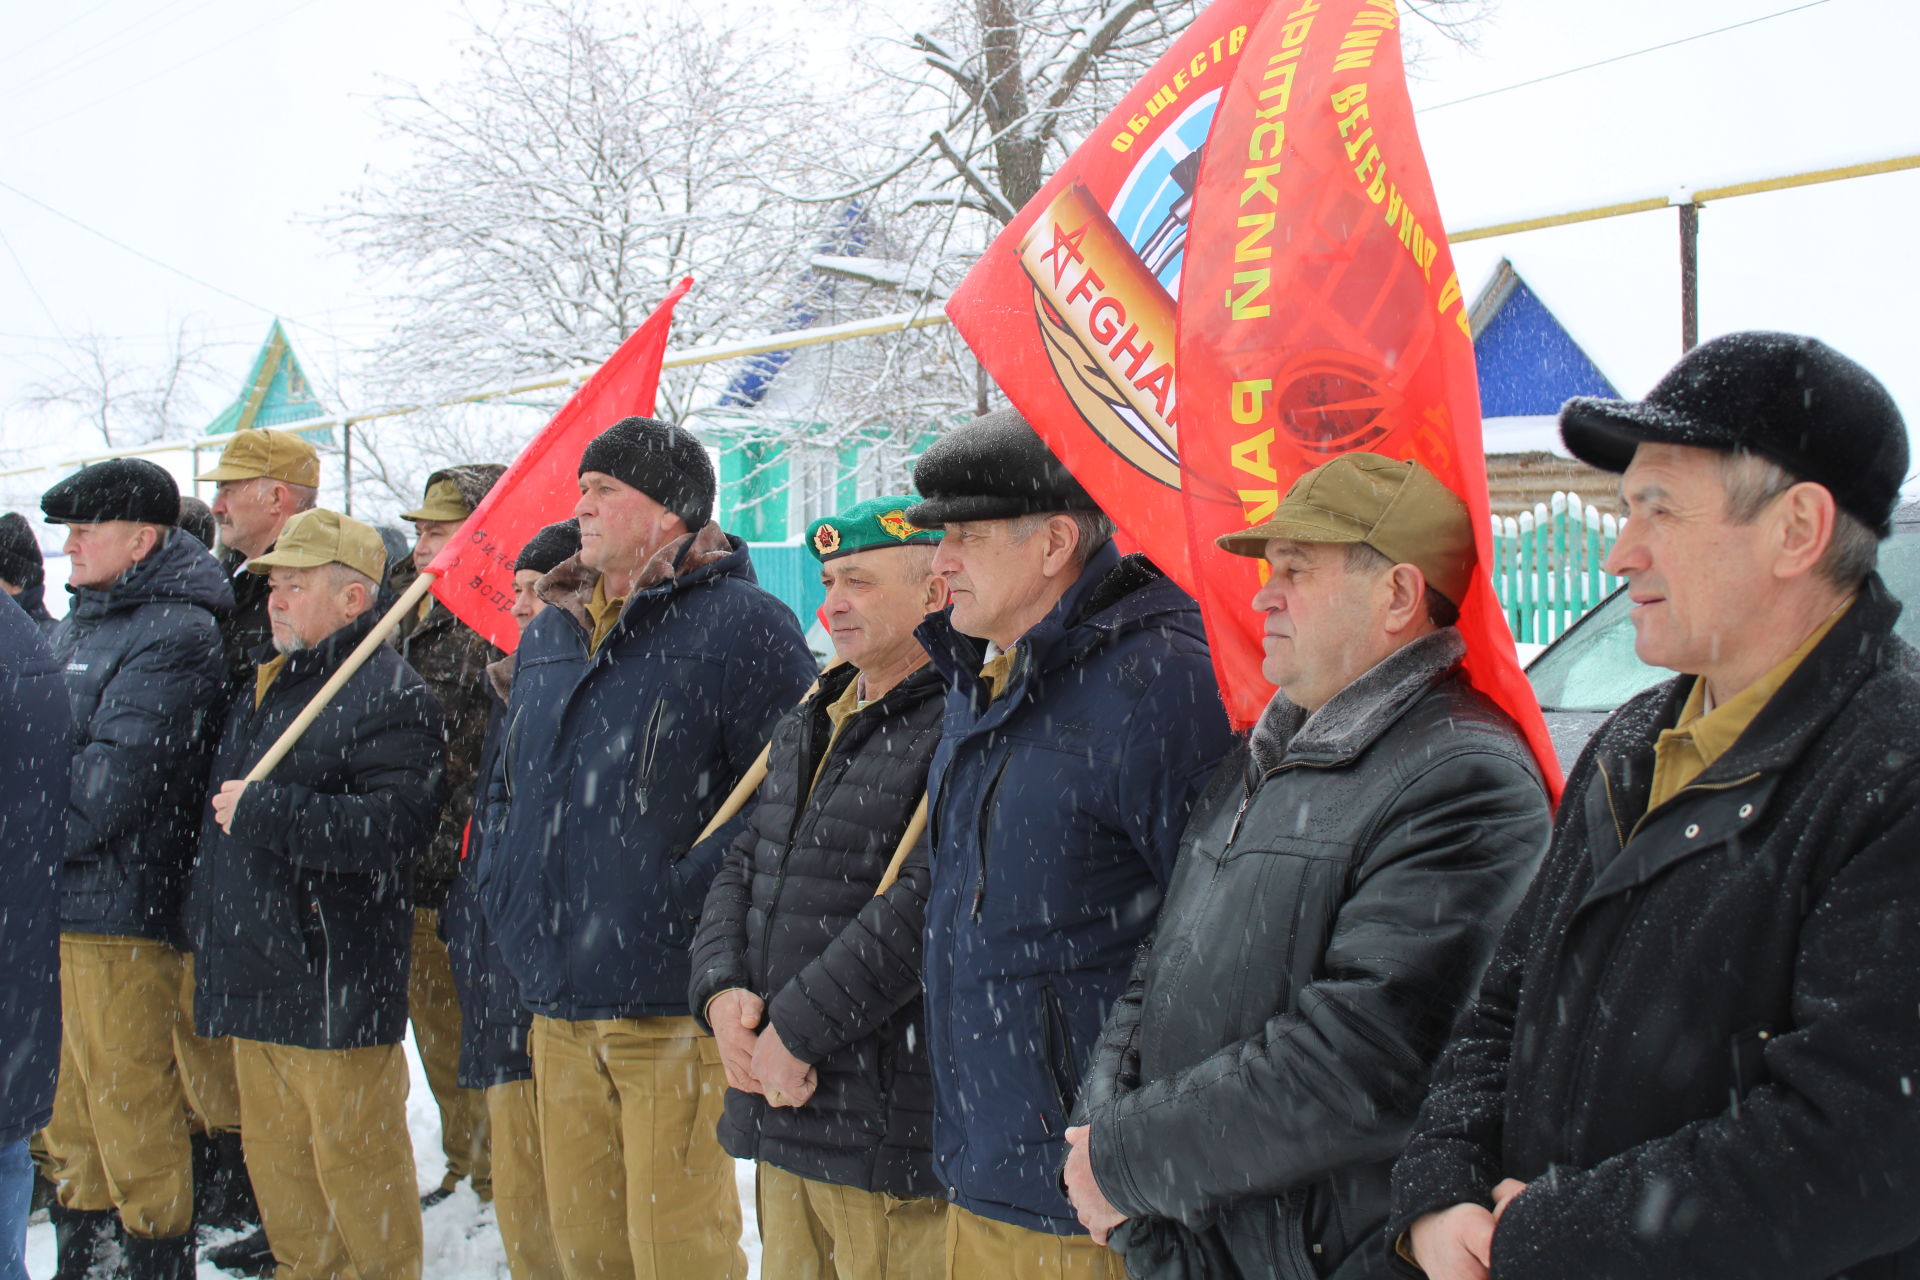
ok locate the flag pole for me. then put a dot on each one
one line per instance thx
(355, 660)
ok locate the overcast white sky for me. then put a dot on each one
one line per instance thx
(208, 134)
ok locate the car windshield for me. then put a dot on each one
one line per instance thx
(1593, 668)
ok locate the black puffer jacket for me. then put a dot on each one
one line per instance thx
(246, 627)
(1697, 1040)
(1336, 895)
(792, 917)
(33, 600)
(302, 916)
(144, 671)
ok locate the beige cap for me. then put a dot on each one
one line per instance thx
(278, 455)
(443, 501)
(318, 537)
(1400, 509)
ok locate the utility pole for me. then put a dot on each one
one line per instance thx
(1689, 269)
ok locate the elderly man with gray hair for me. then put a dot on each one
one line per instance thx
(1081, 722)
(1695, 1049)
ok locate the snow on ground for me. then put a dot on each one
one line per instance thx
(462, 1242)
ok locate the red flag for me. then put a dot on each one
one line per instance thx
(476, 570)
(1072, 308)
(1325, 316)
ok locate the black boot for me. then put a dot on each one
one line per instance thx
(222, 1191)
(46, 1193)
(163, 1258)
(250, 1256)
(88, 1241)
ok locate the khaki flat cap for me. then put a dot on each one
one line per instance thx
(318, 537)
(278, 455)
(443, 501)
(1400, 509)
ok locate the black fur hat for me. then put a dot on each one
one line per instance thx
(993, 468)
(117, 489)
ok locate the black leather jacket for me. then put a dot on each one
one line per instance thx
(1338, 889)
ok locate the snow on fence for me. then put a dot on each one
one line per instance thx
(1547, 565)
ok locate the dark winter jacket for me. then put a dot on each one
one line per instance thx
(245, 629)
(1335, 899)
(33, 601)
(144, 668)
(37, 765)
(494, 1023)
(1697, 1041)
(302, 916)
(792, 917)
(1057, 811)
(614, 760)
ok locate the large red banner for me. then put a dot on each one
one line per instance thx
(475, 570)
(1072, 310)
(1325, 318)
(1239, 275)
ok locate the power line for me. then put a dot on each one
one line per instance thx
(74, 21)
(144, 257)
(31, 287)
(1525, 84)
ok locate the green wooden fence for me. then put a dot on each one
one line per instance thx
(1547, 565)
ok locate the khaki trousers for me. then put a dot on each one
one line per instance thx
(636, 1181)
(118, 1138)
(433, 1007)
(206, 1067)
(519, 1182)
(979, 1248)
(325, 1133)
(811, 1230)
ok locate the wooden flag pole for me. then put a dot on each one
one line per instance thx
(355, 660)
(915, 825)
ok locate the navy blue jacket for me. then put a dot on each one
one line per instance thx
(145, 669)
(493, 1021)
(35, 761)
(302, 916)
(613, 761)
(1056, 814)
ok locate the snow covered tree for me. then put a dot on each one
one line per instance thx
(128, 399)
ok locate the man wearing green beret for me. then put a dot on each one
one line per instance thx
(806, 963)
(300, 911)
(452, 658)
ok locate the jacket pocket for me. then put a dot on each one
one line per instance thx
(1056, 1053)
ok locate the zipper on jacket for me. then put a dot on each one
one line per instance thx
(649, 748)
(983, 829)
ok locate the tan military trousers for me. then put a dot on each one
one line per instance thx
(433, 1007)
(978, 1247)
(118, 1137)
(812, 1230)
(636, 1181)
(325, 1133)
(206, 1067)
(519, 1183)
